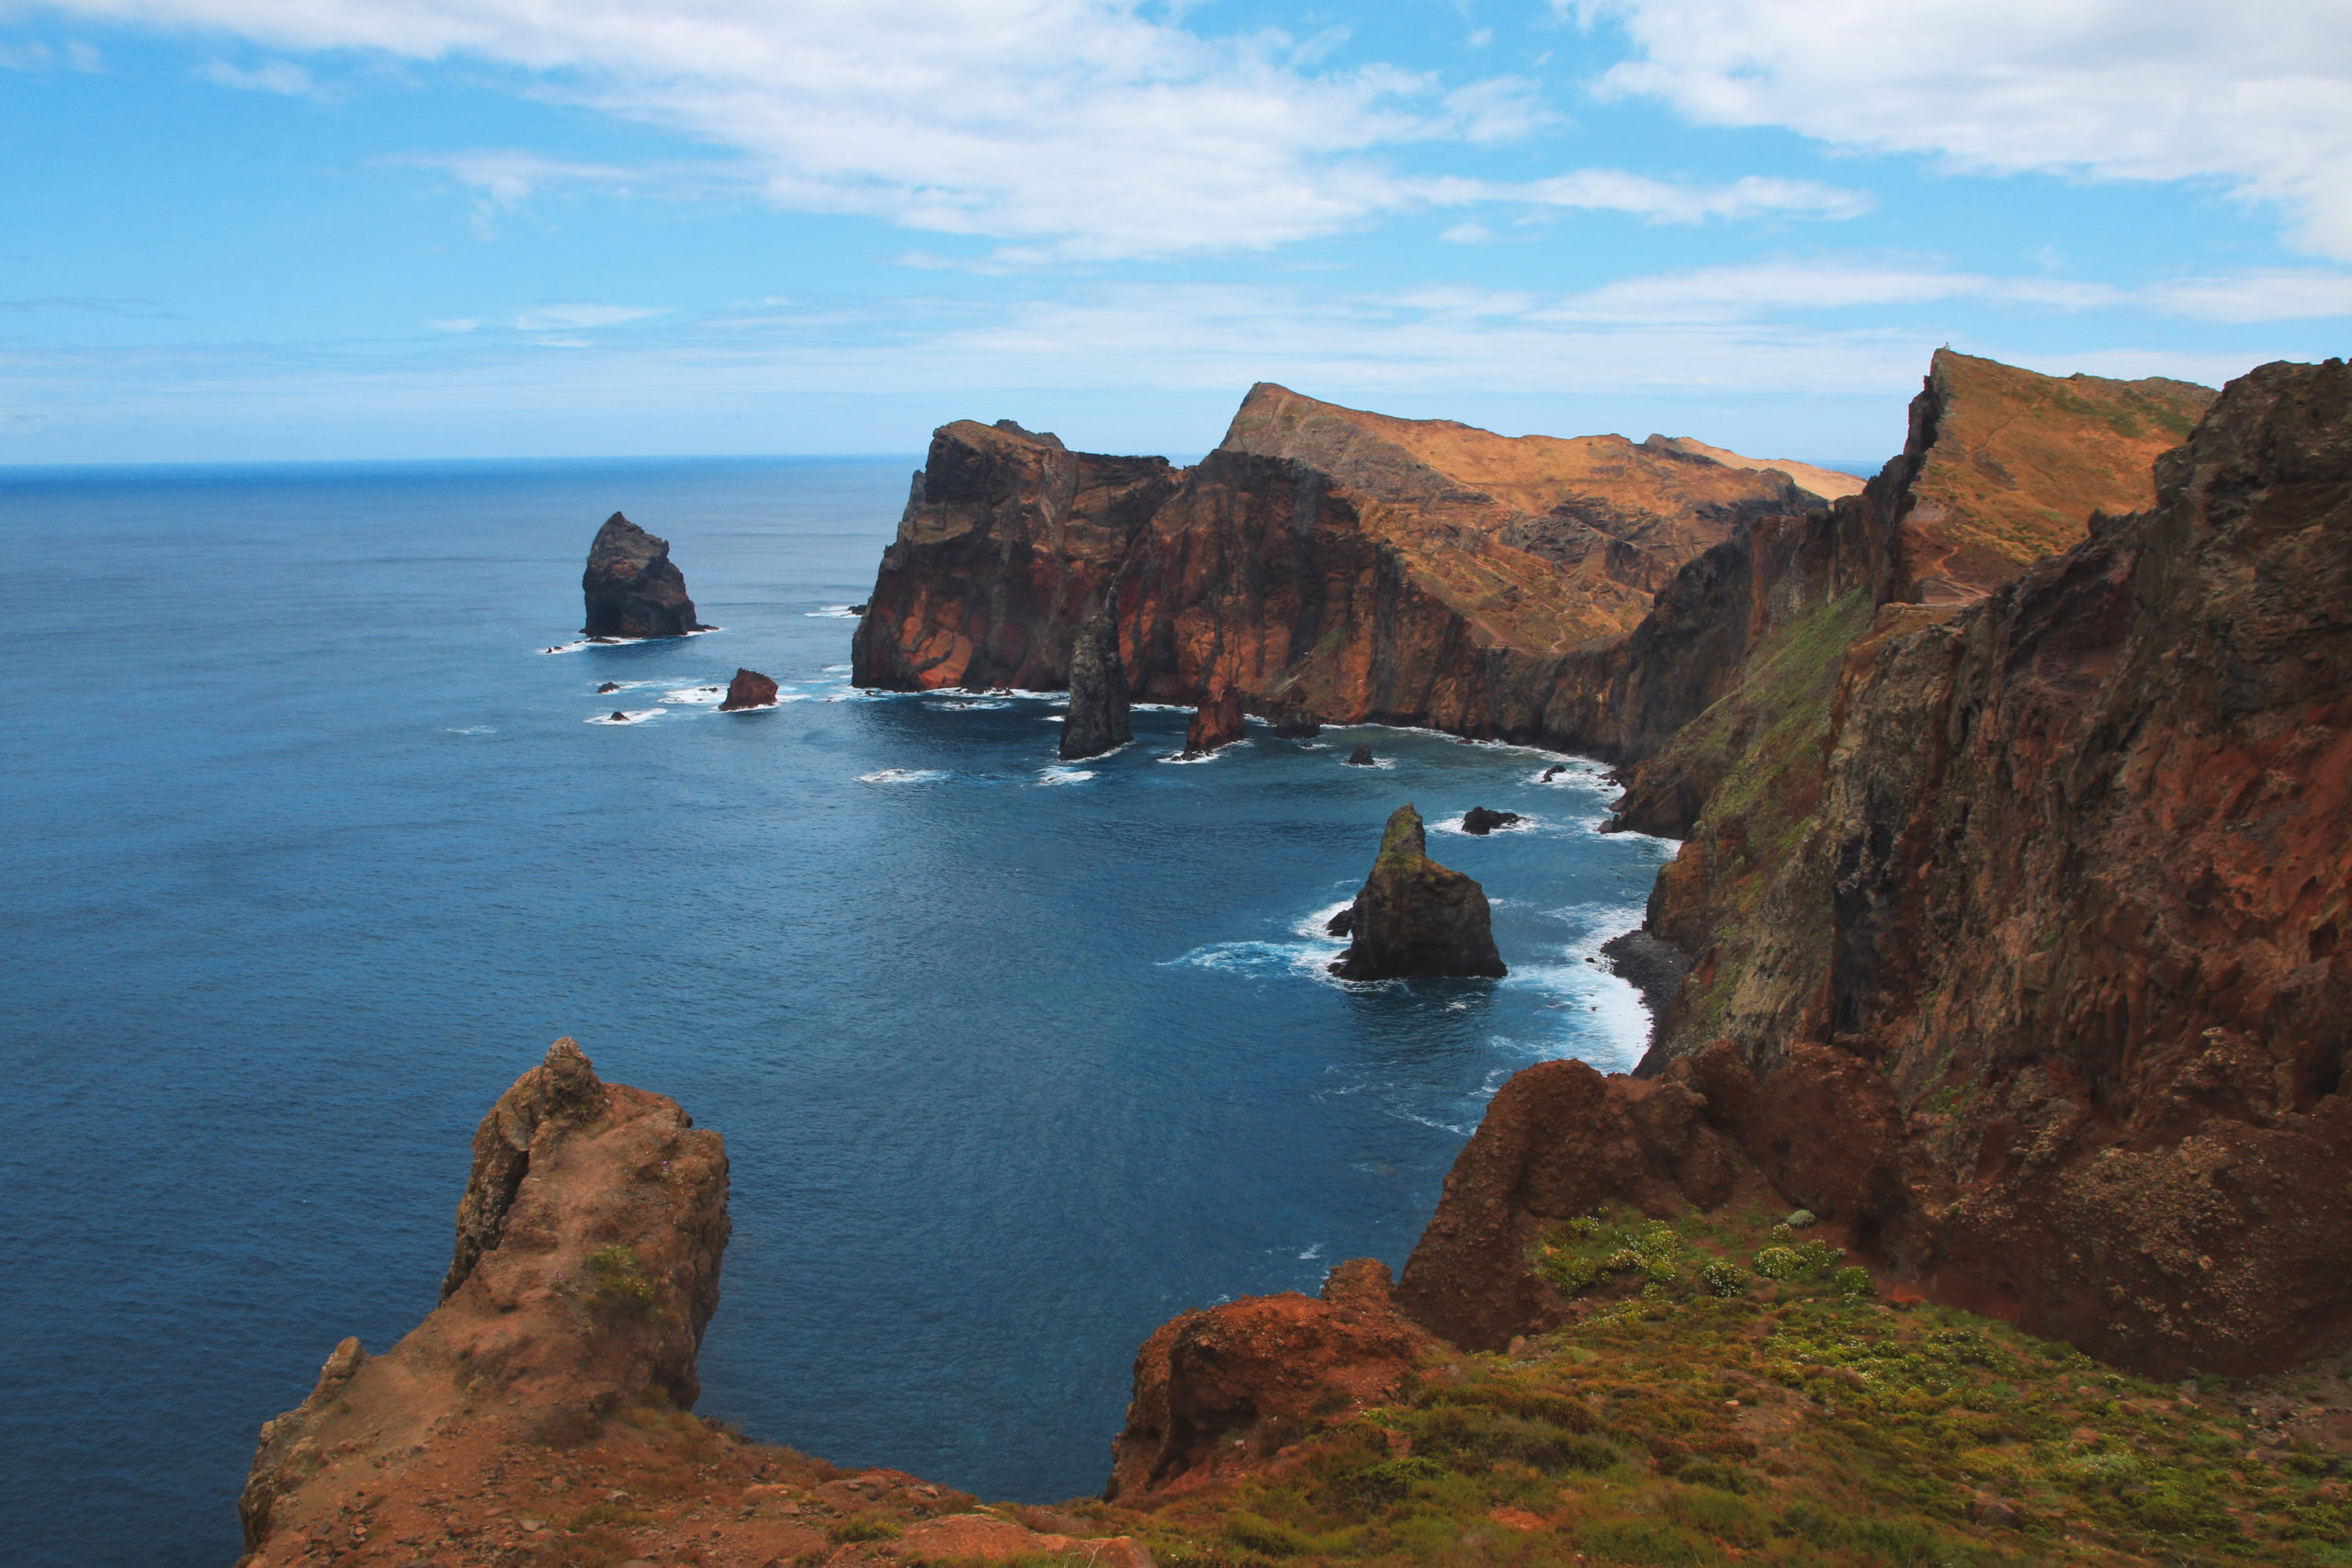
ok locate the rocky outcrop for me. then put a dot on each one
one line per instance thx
(1215, 723)
(2019, 928)
(1220, 1390)
(632, 589)
(1416, 917)
(1322, 559)
(586, 1265)
(1098, 719)
(1362, 756)
(1481, 820)
(749, 689)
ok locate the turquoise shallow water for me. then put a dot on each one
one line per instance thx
(312, 850)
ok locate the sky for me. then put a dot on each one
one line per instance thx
(270, 230)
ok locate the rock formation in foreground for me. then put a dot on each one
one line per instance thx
(1098, 719)
(632, 589)
(1216, 723)
(749, 689)
(585, 1268)
(1416, 917)
(539, 1415)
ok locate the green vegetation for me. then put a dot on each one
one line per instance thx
(861, 1526)
(620, 1287)
(1798, 1420)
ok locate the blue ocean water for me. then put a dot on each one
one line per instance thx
(312, 849)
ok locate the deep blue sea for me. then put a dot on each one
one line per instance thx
(311, 849)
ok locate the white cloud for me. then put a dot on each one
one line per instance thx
(2256, 93)
(1066, 128)
(281, 76)
(555, 318)
(1614, 190)
(1467, 234)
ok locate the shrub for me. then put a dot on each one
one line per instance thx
(1853, 1280)
(1799, 1219)
(1723, 1279)
(861, 1526)
(620, 1283)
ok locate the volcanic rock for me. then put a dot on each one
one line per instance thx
(1219, 1390)
(1651, 967)
(1414, 917)
(1361, 756)
(608, 686)
(1482, 821)
(585, 1268)
(1216, 722)
(1097, 721)
(1297, 724)
(632, 589)
(1342, 923)
(1554, 771)
(749, 689)
(620, 717)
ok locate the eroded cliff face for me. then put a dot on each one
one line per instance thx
(585, 1270)
(1321, 561)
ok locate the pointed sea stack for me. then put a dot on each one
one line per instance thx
(1415, 917)
(632, 589)
(749, 689)
(1098, 690)
(1215, 723)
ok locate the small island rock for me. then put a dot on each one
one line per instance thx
(1482, 821)
(631, 588)
(749, 689)
(607, 687)
(1361, 756)
(1098, 717)
(1415, 917)
(1216, 722)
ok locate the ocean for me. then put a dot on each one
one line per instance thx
(314, 846)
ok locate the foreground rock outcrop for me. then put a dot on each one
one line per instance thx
(1222, 1390)
(749, 689)
(632, 588)
(1416, 917)
(1099, 718)
(585, 1268)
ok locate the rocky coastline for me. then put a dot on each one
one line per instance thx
(1986, 1193)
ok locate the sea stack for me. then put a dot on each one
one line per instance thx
(1361, 756)
(749, 689)
(1416, 917)
(1481, 820)
(632, 589)
(1215, 723)
(1097, 721)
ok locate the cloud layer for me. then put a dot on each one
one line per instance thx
(2255, 94)
(1066, 128)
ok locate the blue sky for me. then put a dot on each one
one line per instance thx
(327, 228)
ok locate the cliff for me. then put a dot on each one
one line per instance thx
(1321, 561)
(632, 588)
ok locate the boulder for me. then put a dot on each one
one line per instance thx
(1098, 720)
(749, 689)
(1482, 821)
(1361, 756)
(1215, 723)
(632, 590)
(1415, 917)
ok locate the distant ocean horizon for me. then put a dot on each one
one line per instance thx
(315, 848)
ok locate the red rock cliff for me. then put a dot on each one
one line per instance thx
(1322, 560)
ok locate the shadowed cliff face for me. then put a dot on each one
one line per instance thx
(1322, 559)
(2023, 921)
(632, 588)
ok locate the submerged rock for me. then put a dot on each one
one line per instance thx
(1215, 723)
(1098, 719)
(1415, 917)
(749, 689)
(1361, 756)
(632, 590)
(1480, 820)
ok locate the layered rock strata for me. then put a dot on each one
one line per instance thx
(1322, 559)
(1098, 719)
(632, 588)
(749, 689)
(1416, 917)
